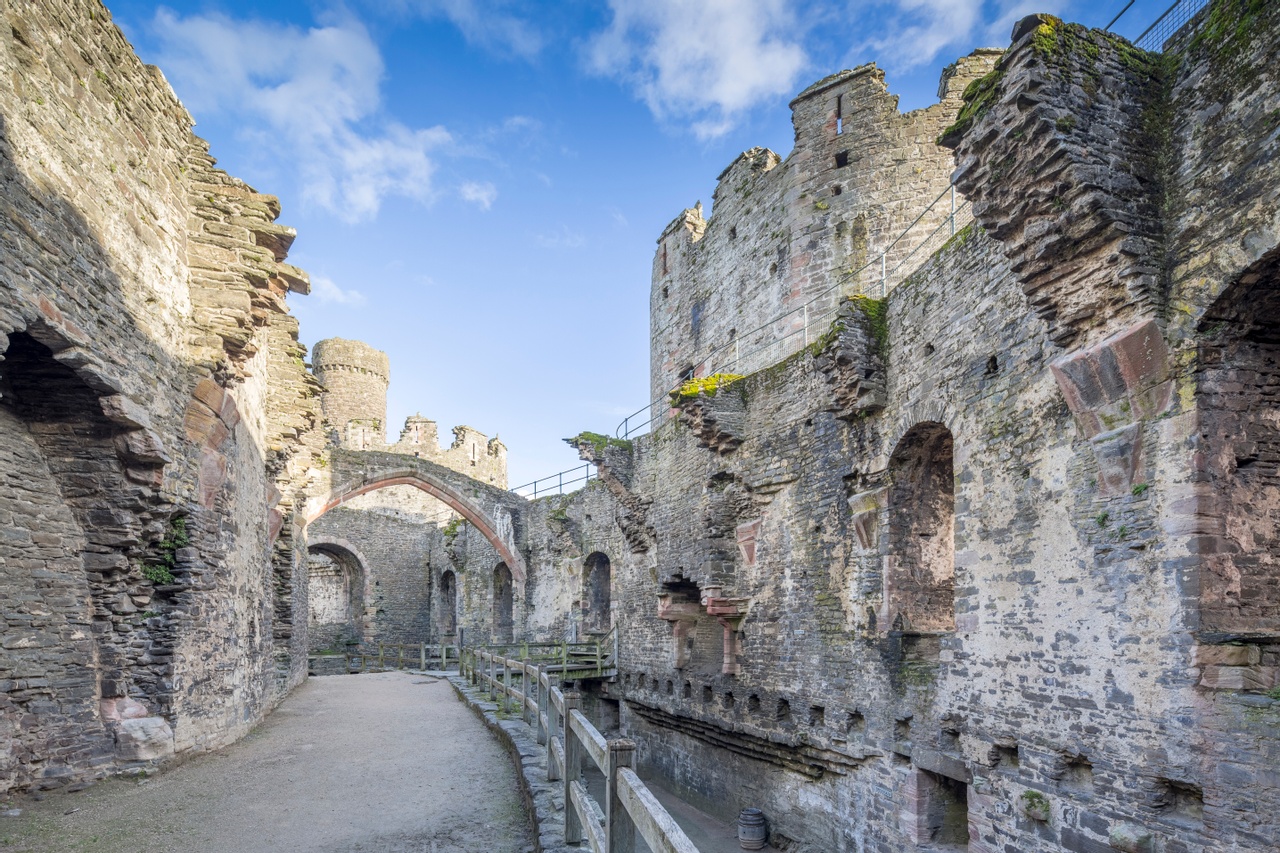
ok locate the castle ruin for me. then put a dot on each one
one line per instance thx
(968, 546)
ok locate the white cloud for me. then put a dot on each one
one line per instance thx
(914, 32)
(562, 238)
(327, 291)
(481, 195)
(490, 24)
(703, 62)
(312, 94)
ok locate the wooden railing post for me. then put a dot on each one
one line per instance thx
(541, 721)
(555, 728)
(620, 829)
(524, 688)
(422, 654)
(444, 656)
(572, 770)
(506, 684)
(380, 666)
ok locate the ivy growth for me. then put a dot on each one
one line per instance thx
(160, 572)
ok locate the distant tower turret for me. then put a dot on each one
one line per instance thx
(355, 378)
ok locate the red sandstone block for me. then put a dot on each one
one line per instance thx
(1239, 677)
(210, 393)
(1226, 655)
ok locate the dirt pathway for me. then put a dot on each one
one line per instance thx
(373, 763)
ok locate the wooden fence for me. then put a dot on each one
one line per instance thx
(402, 656)
(629, 806)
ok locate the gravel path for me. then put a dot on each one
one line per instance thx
(373, 763)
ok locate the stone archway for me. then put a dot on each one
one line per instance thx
(337, 593)
(437, 488)
(919, 581)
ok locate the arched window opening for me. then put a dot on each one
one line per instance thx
(335, 593)
(919, 583)
(597, 585)
(448, 605)
(1239, 370)
(503, 605)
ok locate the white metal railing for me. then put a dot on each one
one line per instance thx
(1173, 19)
(794, 329)
(555, 484)
(629, 807)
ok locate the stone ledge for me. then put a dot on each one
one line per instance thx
(544, 800)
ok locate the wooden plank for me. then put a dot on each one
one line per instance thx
(589, 815)
(592, 741)
(557, 699)
(655, 825)
(557, 758)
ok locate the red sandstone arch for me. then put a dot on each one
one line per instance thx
(410, 477)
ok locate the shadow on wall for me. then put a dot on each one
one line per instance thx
(503, 605)
(104, 571)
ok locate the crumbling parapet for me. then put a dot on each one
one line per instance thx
(791, 233)
(1037, 144)
(851, 357)
(714, 411)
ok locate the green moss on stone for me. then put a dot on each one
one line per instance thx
(708, 385)
(978, 98)
(598, 442)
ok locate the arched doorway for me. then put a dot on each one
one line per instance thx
(486, 526)
(597, 586)
(448, 615)
(336, 592)
(503, 605)
(919, 583)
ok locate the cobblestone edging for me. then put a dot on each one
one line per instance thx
(543, 799)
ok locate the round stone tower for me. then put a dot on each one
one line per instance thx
(355, 378)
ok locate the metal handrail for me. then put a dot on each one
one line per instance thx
(1168, 24)
(1163, 28)
(559, 481)
(812, 318)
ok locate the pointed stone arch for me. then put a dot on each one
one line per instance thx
(437, 488)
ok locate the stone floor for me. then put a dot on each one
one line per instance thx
(390, 762)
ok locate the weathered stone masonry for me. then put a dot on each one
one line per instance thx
(153, 401)
(991, 566)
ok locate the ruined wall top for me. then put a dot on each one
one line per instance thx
(342, 354)
(785, 231)
(355, 378)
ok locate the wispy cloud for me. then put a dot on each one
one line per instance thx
(498, 26)
(313, 95)
(704, 63)
(562, 238)
(482, 195)
(327, 291)
(909, 34)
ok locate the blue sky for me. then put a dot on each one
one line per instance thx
(478, 184)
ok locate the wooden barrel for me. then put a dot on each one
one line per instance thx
(751, 832)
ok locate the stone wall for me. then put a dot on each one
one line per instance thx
(786, 231)
(154, 408)
(990, 566)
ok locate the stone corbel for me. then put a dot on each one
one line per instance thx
(729, 612)
(866, 508)
(1112, 388)
(683, 616)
